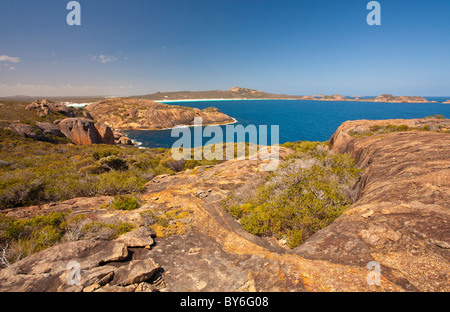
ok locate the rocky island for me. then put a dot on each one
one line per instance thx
(389, 98)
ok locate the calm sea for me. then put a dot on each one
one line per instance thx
(297, 120)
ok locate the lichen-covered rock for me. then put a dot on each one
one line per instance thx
(47, 270)
(140, 237)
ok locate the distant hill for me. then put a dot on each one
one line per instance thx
(233, 93)
(244, 93)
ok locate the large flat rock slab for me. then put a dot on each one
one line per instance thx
(401, 218)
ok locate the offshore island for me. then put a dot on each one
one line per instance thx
(76, 189)
(245, 93)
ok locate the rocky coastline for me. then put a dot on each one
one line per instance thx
(101, 122)
(396, 220)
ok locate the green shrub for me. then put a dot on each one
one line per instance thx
(294, 237)
(148, 217)
(172, 164)
(437, 116)
(125, 202)
(307, 192)
(22, 193)
(114, 162)
(97, 155)
(114, 182)
(145, 162)
(27, 236)
(94, 169)
(34, 172)
(424, 128)
(23, 237)
(395, 128)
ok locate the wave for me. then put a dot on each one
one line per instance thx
(136, 142)
(77, 104)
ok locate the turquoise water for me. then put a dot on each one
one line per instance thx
(297, 120)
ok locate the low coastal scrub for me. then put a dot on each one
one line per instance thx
(125, 202)
(307, 193)
(21, 237)
(380, 129)
(34, 172)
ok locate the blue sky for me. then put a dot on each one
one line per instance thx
(131, 47)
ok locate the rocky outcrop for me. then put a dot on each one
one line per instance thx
(219, 255)
(24, 130)
(141, 237)
(389, 98)
(79, 266)
(38, 131)
(308, 98)
(80, 131)
(49, 128)
(105, 133)
(144, 114)
(345, 136)
(123, 140)
(46, 107)
(335, 97)
(446, 102)
(84, 131)
(401, 216)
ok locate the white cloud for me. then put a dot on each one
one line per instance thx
(11, 59)
(104, 58)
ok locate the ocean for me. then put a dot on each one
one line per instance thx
(297, 120)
